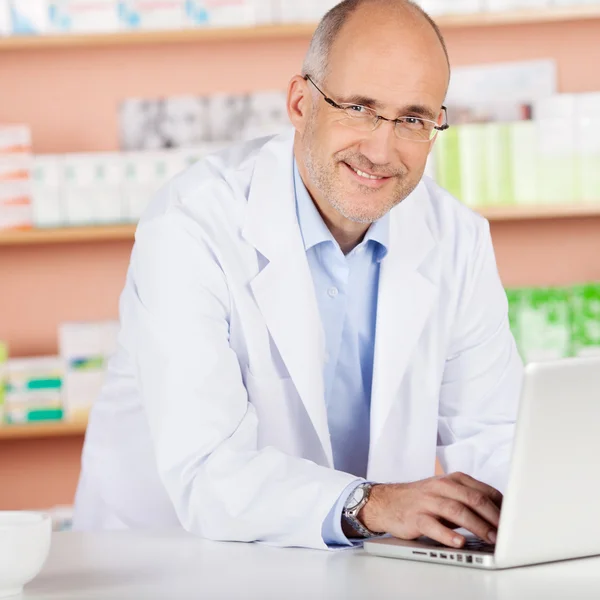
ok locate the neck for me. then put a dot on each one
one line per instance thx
(348, 237)
(348, 234)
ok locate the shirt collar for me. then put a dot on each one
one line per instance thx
(313, 228)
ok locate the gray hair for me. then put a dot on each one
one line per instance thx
(316, 62)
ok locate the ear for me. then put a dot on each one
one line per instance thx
(299, 103)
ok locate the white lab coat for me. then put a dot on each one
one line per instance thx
(213, 415)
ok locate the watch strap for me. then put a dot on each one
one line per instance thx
(351, 515)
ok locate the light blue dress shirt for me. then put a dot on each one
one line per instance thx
(346, 288)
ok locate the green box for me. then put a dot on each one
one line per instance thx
(544, 324)
(585, 320)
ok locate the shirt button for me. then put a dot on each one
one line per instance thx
(333, 292)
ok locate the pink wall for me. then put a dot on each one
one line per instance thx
(70, 98)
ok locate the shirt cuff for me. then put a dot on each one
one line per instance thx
(332, 532)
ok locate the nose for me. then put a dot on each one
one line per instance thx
(380, 145)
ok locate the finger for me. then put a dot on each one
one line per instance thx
(488, 490)
(476, 500)
(462, 516)
(432, 528)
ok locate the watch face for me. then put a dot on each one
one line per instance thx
(356, 498)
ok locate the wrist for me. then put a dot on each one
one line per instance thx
(371, 515)
(354, 505)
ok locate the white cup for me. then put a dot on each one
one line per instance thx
(24, 546)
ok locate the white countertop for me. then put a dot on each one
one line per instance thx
(173, 566)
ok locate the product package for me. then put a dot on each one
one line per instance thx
(85, 349)
(585, 320)
(82, 16)
(544, 324)
(34, 390)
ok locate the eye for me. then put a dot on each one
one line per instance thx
(413, 123)
(358, 109)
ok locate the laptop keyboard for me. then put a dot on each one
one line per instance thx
(471, 543)
(479, 545)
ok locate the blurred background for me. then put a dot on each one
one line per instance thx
(102, 101)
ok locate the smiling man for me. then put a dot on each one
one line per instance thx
(307, 319)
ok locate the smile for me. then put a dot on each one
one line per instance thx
(364, 177)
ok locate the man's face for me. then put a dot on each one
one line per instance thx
(390, 71)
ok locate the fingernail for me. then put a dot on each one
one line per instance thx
(492, 537)
(458, 541)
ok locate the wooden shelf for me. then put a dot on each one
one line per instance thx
(287, 31)
(67, 235)
(176, 36)
(521, 17)
(533, 212)
(42, 430)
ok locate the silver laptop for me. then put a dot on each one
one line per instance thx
(551, 510)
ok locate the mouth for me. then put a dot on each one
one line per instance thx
(364, 178)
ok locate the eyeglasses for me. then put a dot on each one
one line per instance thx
(363, 118)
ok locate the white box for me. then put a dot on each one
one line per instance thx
(149, 14)
(435, 8)
(92, 188)
(28, 17)
(34, 389)
(266, 12)
(82, 16)
(47, 190)
(144, 174)
(15, 138)
(501, 5)
(106, 195)
(78, 177)
(292, 11)
(5, 22)
(587, 141)
(85, 349)
(465, 7)
(15, 166)
(557, 159)
(219, 13)
(15, 204)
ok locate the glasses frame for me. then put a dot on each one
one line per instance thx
(378, 118)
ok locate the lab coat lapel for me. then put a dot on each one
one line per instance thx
(284, 289)
(404, 303)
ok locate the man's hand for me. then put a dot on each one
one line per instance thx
(433, 507)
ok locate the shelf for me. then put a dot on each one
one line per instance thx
(533, 212)
(42, 430)
(67, 235)
(70, 235)
(177, 36)
(287, 31)
(521, 17)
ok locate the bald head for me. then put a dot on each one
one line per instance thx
(404, 12)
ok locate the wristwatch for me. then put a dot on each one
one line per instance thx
(358, 498)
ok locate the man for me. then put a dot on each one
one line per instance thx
(306, 318)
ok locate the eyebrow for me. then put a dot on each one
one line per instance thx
(417, 109)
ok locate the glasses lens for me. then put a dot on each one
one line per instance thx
(358, 117)
(415, 130)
